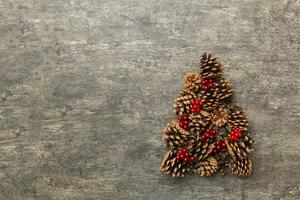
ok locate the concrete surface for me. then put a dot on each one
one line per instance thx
(86, 87)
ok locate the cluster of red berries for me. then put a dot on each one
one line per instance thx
(235, 134)
(209, 134)
(219, 146)
(207, 84)
(196, 105)
(183, 121)
(184, 155)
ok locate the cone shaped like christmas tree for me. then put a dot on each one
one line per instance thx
(210, 133)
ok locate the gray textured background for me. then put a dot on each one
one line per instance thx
(87, 86)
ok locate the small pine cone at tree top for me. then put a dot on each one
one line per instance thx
(210, 67)
(210, 133)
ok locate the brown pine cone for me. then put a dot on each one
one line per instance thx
(182, 105)
(207, 167)
(237, 119)
(238, 150)
(241, 167)
(210, 67)
(244, 146)
(170, 165)
(175, 136)
(248, 141)
(210, 99)
(192, 81)
(199, 149)
(199, 121)
(220, 116)
(223, 89)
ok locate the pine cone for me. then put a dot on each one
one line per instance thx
(238, 150)
(210, 99)
(199, 121)
(207, 167)
(210, 67)
(223, 89)
(182, 105)
(241, 167)
(170, 165)
(248, 142)
(192, 81)
(220, 116)
(244, 146)
(201, 150)
(175, 136)
(237, 119)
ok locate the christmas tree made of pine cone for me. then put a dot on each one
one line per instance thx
(210, 133)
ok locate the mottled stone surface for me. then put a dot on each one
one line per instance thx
(87, 86)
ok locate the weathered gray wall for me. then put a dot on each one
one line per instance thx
(86, 87)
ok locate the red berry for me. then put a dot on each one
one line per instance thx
(185, 123)
(214, 131)
(192, 158)
(185, 159)
(218, 148)
(181, 124)
(185, 118)
(211, 137)
(180, 152)
(218, 143)
(203, 138)
(215, 151)
(193, 110)
(179, 118)
(223, 144)
(205, 88)
(185, 127)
